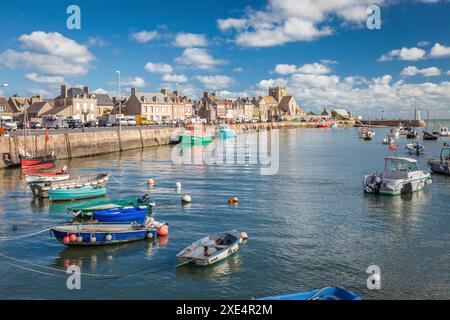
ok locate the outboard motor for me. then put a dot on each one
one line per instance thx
(375, 183)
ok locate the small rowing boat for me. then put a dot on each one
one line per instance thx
(105, 234)
(415, 148)
(68, 194)
(211, 249)
(44, 177)
(134, 214)
(319, 294)
(88, 185)
(442, 165)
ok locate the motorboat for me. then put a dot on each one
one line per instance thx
(415, 148)
(401, 176)
(394, 133)
(441, 165)
(388, 140)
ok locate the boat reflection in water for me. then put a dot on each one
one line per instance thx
(103, 257)
(406, 206)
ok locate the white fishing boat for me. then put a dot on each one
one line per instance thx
(443, 131)
(415, 148)
(211, 249)
(366, 134)
(388, 140)
(401, 176)
(394, 133)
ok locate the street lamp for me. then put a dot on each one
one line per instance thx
(4, 85)
(120, 103)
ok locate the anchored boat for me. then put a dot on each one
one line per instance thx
(319, 294)
(73, 188)
(44, 177)
(415, 148)
(195, 134)
(442, 165)
(88, 210)
(401, 176)
(211, 249)
(105, 234)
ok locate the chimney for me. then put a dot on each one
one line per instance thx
(86, 89)
(133, 91)
(205, 94)
(63, 91)
(164, 91)
(176, 93)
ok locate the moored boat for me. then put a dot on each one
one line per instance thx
(441, 165)
(429, 136)
(324, 125)
(41, 162)
(226, 132)
(137, 215)
(319, 294)
(401, 176)
(68, 194)
(98, 181)
(195, 134)
(443, 131)
(415, 148)
(105, 234)
(211, 249)
(88, 210)
(43, 177)
(394, 133)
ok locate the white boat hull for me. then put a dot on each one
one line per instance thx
(396, 187)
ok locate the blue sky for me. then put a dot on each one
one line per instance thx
(322, 50)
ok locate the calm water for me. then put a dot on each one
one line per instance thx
(310, 226)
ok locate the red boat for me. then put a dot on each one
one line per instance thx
(44, 162)
(324, 125)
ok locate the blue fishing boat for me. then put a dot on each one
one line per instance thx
(319, 294)
(134, 214)
(96, 234)
(76, 194)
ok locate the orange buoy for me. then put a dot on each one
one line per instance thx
(66, 240)
(73, 238)
(230, 200)
(163, 231)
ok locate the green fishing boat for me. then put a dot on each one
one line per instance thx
(195, 134)
(189, 139)
(76, 194)
(143, 202)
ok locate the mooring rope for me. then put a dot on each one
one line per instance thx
(94, 275)
(25, 236)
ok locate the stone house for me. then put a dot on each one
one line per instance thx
(38, 109)
(245, 108)
(5, 108)
(75, 102)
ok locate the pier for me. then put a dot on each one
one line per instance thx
(392, 123)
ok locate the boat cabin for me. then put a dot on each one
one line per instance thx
(445, 154)
(398, 168)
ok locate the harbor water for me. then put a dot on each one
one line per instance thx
(310, 226)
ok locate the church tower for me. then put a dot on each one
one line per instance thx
(278, 92)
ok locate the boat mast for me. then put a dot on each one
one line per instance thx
(428, 116)
(25, 132)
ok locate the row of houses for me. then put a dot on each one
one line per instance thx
(160, 106)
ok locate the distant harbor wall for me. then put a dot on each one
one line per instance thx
(87, 144)
(394, 123)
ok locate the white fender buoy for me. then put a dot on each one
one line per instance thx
(178, 186)
(149, 235)
(108, 237)
(244, 235)
(150, 182)
(79, 239)
(186, 199)
(93, 239)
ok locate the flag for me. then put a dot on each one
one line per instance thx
(46, 135)
(393, 147)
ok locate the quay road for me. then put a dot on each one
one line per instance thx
(39, 132)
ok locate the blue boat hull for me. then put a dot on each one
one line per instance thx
(120, 237)
(319, 294)
(227, 134)
(137, 215)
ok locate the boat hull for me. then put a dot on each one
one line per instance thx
(118, 234)
(76, 194)
(439, 168)
(186, 139)
(122, 215)
(37, 162)
(320, 294)
(42, 178)
(398, 187)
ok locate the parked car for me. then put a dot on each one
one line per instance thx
(104, 123)
(90, 124)
(75, 123)
(35, 125)
(7, 123)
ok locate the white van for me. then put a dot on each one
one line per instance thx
(52, 122)
(7, 123)
(115, 119)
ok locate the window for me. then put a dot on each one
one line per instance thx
(151, 109)
(77, 106)
(168, 109)
(156, 109)
(2, 108)
(163, 109)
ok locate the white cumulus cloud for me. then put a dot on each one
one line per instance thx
(175, 78)
(34, 77)
(186, 40)
(439, 51)
(199, 59)
(161, 68)
(407, 54)
(144, 36)
(426, 72)
(215, 82)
